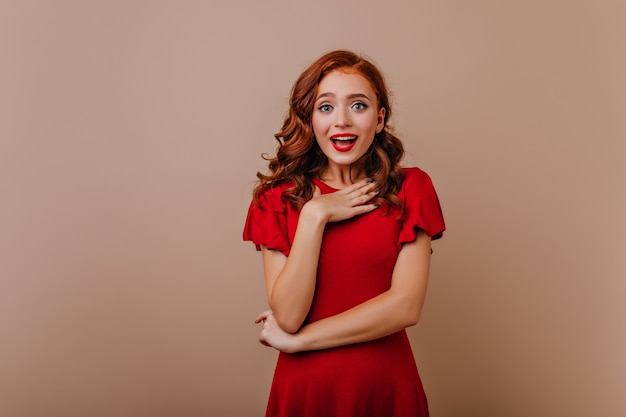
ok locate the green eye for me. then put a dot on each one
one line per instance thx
(359, 106)
(325, 108)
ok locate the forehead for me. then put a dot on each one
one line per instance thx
(345, 80)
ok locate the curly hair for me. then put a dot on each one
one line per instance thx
(299, 158)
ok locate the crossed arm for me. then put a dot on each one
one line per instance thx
(290, 283)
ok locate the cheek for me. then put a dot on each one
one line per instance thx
(369, 123)
(317, 132)
(318, 125)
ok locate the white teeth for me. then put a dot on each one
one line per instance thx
(345, 138)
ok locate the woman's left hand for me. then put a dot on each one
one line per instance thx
(273, 336)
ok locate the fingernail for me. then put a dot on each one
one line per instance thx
(369, 180)
(376, 205)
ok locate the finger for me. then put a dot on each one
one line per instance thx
(369, 182)
(361, 199)
(354, 187)
(365, 208)
(263, 316)
(365, 186)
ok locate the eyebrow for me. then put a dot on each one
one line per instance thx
(350, 96)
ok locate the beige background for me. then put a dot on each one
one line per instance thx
(130, 134)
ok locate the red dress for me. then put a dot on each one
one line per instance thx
(374, 379)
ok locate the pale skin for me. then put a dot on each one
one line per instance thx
(346, 103)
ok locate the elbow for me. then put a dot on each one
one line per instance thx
(405, 306)
(290, 328)
(412, 319)
(288, 319)
(288, 324)
(412, 312)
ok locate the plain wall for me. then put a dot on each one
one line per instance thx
(130, 135)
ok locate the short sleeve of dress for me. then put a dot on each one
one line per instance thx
(266, 223)
(422, 208)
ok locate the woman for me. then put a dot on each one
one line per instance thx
(345, 235)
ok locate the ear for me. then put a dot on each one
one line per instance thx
(380, 122)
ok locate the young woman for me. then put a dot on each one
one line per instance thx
(345, 235)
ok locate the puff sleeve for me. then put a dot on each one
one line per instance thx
(422, 208)
(266, 224)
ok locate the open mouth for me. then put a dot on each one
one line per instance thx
(343, 143)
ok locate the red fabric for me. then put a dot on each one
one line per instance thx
(372, 379)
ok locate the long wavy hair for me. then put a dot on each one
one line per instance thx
(299, 158)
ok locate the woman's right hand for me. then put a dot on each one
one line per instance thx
(343, 204)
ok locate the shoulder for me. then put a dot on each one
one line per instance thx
(268, 219)
(417, 186)
(276, 189)
(272, 196)
(414, 178)
(423, 210)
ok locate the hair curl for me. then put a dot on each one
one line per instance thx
(299, 158)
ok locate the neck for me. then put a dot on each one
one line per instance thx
(341, 176)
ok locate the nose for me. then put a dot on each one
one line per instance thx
(343, 117)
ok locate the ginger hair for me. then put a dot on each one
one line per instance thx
(299, 158)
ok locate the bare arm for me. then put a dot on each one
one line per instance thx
(290, 281)
(397, 308)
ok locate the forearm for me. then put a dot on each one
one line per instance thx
(291, 281)
(397, 308)
(375, 318)
(291, 294)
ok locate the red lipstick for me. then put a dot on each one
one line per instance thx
(343, 142)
